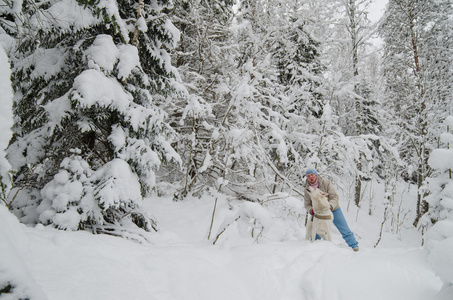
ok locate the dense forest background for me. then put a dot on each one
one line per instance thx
(235, 97)
(149, 119)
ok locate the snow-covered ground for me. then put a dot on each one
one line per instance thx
(178, 262)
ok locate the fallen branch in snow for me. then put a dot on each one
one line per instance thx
(274, 197)
(117, 231)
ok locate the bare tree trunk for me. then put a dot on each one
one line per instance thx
(276, 178)
(448, 147)
(388, 202)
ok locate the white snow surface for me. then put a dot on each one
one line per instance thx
(178, 262)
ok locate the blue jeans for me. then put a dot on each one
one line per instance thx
(340, 222)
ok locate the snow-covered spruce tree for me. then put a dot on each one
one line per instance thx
(274, 91)
(88, 134)
(9, 13)
(441, 182)
(295, 52)
(439, 218)
(323, 139)
(252, 126)
(203, 59)
(10, 24)
(415, 35)
(350, 86)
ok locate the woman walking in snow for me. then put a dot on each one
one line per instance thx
(316, 181)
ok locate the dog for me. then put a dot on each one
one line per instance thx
(321, 222)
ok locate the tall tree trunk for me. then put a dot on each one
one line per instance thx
(355, 66)
(422, 205)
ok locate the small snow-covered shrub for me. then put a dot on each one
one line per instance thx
(78, 197)
(276, 217)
